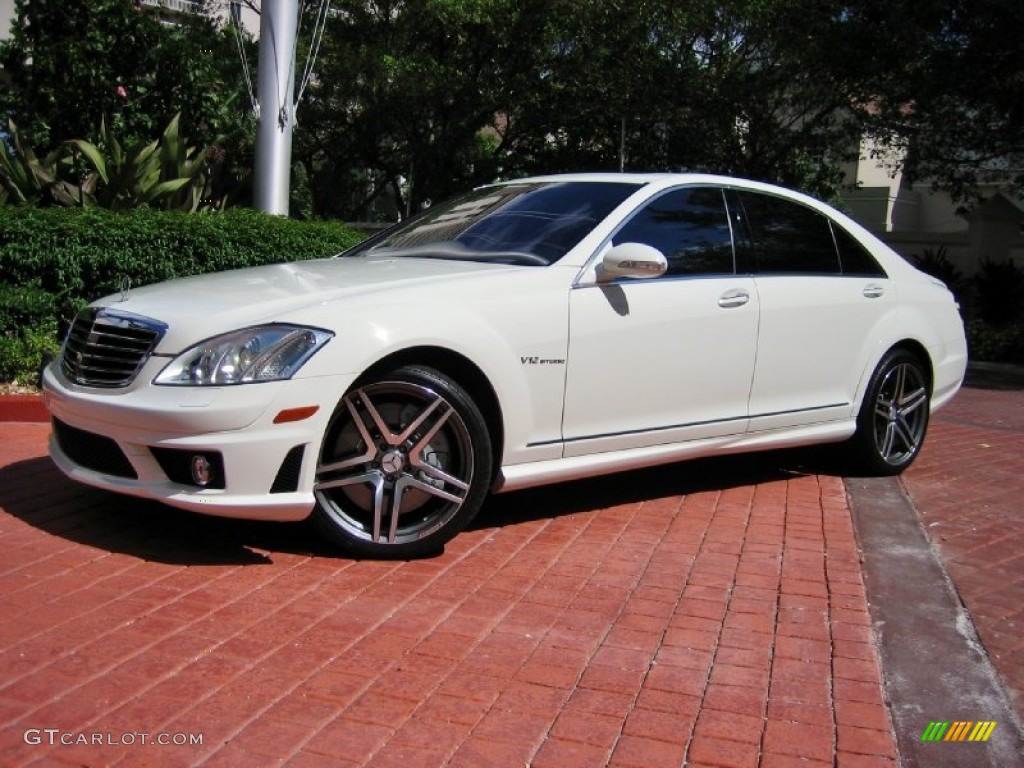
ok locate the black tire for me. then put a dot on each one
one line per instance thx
(893, 418)
(412, 442)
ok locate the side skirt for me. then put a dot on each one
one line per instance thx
(518, 476)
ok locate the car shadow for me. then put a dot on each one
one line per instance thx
(36, 493)
(681, 478)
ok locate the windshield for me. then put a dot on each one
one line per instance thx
(532, 223)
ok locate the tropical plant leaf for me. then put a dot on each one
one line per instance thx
(93, 155)
(166, 188)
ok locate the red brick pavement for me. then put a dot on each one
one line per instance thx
(968, 487)
(713, 615)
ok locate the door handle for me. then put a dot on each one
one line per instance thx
(734, 298)
(873, 290)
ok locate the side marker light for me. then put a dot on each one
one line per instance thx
(295, 414)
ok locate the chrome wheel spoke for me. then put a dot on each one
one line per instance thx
(888, 440)
(396, 463)
(906, 433)
(436, 473)
(375, 480)
(883, 408)
(914, 400)
(368, 454)
(386, 432)
(417, 459)
(408, 481)
(901, 383)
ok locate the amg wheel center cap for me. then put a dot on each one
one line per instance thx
(392, 462)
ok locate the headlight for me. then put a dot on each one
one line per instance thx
(265, 353)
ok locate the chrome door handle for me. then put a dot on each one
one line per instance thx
(734, 298)
(873, 290)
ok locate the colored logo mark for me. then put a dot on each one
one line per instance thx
(959, 730)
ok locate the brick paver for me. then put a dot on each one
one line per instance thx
(712, 614)
(968, 487)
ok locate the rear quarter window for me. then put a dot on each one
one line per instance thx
(854, 259)
(786, 237)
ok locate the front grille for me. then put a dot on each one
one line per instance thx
(95, 452)
(107, 348)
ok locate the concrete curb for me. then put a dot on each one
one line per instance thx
(934, 668)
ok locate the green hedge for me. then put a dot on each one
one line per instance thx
(55, 260)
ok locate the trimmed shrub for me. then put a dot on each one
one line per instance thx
(997, 344)
(53, 261)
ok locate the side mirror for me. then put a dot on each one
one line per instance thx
(631, 260)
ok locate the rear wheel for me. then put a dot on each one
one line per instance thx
(893, 419)
(404, 466)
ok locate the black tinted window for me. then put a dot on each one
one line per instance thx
(854, 257)
(689, 226)
(787, 237)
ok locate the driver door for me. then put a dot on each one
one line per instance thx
(665, 359)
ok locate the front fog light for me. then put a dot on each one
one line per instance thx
(202, 471)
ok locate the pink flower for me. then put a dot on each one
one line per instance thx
(121, 92)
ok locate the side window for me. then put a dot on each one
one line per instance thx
(689, 226)
(787, 237)
(854, 258)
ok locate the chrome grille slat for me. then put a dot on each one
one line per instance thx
(123, 358)
(107, 348)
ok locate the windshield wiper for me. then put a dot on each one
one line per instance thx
(452, 250)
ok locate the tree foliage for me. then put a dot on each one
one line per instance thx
(71, 67)
(411, 100)
(960, 107)
(401, 93)
(420, 97)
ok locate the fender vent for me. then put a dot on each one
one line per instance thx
(287, 480)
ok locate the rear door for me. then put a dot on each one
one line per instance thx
(823, 299)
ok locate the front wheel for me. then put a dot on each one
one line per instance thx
(893, 419)
(405, 465)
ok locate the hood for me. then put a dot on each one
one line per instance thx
(225, 301)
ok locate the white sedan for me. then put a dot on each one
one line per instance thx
(527, 333)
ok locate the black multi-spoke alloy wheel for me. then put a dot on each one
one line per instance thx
(893, 419)
(405, 465)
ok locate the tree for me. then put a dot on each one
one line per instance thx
(963, 123)
(763, 88)
(414, 99)
(72, 65)
(400, 96)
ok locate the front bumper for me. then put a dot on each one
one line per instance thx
(268, 468)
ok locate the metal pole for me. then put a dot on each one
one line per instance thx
(275, 92)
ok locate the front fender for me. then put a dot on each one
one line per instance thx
(520, 348)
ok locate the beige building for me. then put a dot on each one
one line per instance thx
(913, 218)
(6, 15)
